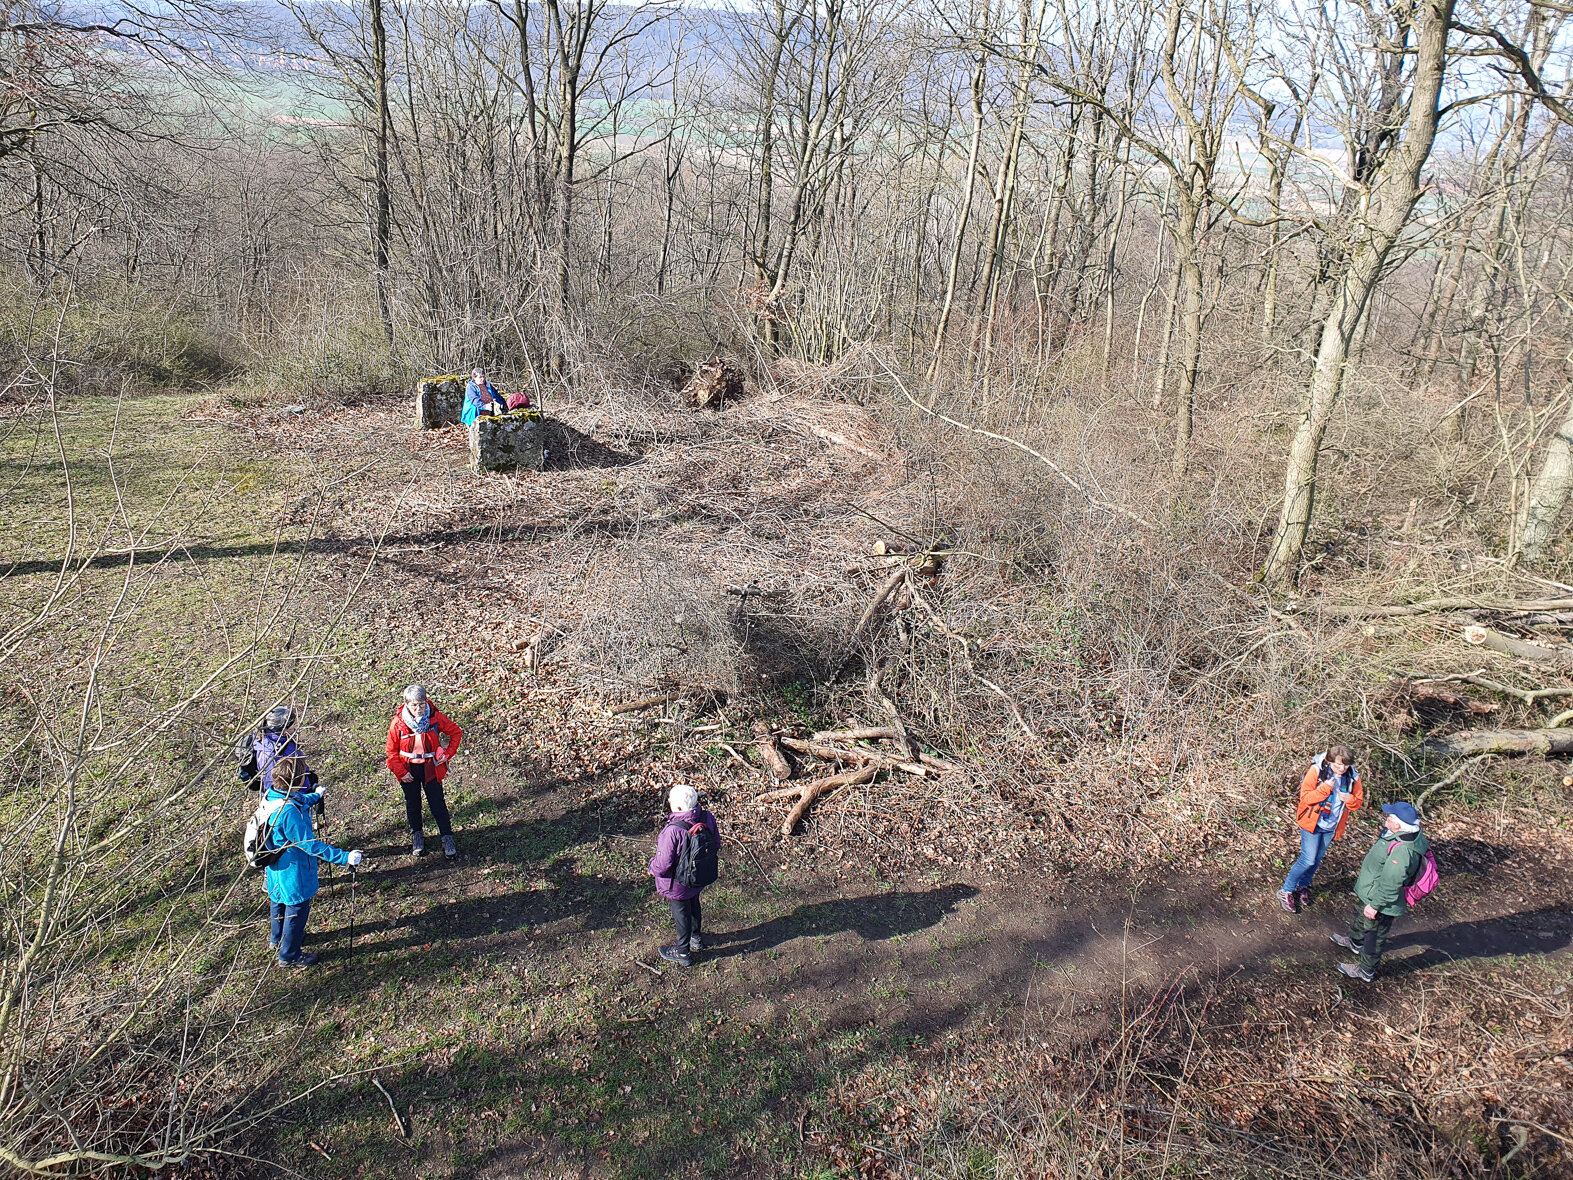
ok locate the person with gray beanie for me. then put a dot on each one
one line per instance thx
(421, 744)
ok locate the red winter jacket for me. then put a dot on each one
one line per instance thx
(436, 746)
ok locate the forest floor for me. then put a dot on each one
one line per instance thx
(861, 975)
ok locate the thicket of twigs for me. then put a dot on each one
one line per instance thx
(1220, 1077)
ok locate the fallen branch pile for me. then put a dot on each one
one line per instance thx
(848, 747)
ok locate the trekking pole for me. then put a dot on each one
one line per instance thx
(350, 953)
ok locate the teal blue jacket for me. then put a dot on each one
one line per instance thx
(293, 878)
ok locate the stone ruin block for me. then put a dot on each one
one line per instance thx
(513, 442)
(439, 401)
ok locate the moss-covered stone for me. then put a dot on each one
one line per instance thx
(513, 442)
(439, 400)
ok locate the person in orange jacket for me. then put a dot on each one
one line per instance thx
(421, 742)
(1329, 791)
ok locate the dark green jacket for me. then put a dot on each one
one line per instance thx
(1388, 869)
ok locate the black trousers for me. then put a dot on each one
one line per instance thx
(434, 799)
(685, 914)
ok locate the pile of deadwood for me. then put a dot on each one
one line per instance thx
(1546, 660)
(806, 767)
(836, 758)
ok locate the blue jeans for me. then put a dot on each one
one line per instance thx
(1313, 847)
(289, 927)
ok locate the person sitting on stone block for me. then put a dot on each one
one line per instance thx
(480, 398)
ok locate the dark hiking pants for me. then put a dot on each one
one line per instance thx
(1370, 938)
(685, 915)
(434, 799)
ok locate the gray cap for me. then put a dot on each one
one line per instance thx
(415, 694)
(278, 719)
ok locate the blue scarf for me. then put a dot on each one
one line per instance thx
(423, 724)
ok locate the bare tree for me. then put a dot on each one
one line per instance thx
(1405, 48)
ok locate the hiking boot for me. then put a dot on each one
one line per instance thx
(418, 840)
(300, 961)
(696, 944)
(673, 955)
(1304, 898)
(1343, 941)
(1290, 901)
(1354, 972)
(449, 848)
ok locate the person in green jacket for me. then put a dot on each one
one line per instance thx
(1392, 865)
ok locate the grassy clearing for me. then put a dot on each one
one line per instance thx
(502, 1000)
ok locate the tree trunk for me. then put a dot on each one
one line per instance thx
(965, 216)
(1190, 274)
(1502, 741)
(1160, 377)
(382, 224)
(1391, 201)
(1548, 493)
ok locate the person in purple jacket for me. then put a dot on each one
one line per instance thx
(686, 816)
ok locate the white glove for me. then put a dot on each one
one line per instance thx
(407, 778)
(355, 858)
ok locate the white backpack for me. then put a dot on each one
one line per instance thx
(259, 834)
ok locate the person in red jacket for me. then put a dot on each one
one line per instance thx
(1329, 791)
(421, 742)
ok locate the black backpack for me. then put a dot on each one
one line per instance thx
(697, 849)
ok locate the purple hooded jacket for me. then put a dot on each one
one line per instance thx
(663, 866)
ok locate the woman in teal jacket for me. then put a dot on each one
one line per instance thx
(480, 398)
(292, 879)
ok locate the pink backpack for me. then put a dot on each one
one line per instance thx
(1428, 879)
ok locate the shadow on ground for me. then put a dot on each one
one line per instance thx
(1535, 932)
(876, 916)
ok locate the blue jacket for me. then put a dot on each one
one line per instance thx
(294, 878)
(474, 403)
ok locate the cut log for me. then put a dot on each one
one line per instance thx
(873, 734)
(1521, 649)
(1360, 610)
(775, 762)
(850, 444)
(820, 787)
(861, 757)
(643, 703)
(1502, 741)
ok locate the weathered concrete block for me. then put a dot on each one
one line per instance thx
(514, 442)
(439, 401)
